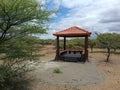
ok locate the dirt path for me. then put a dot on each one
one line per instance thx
(73, 74)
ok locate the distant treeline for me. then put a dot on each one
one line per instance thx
(105, 40)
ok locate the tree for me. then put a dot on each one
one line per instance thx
(92, 43)
(20, 20)
(109, 41)
(116, 37)
(75, 43)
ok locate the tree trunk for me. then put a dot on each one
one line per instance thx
(108, 54)
(114, 49)
(91, 48)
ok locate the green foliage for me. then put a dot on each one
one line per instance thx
(78, 42)
(20, 20)
(109, 41)
(20, 49)
(57, 70)
(47, 41)
(61, 46)
(12, 76)
(13, 70)
(92, 43)
(73, 43)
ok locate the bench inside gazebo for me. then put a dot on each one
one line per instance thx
(72, 54)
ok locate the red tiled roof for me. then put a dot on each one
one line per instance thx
(73, 32)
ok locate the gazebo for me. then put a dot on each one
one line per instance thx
(76, 54)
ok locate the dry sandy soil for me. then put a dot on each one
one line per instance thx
(108, 74)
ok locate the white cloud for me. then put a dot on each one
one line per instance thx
(89, 14)
(53, 15)
(42, 1)
(75, 3)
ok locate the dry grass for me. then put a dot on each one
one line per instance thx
(111, 72)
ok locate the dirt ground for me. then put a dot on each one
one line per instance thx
(72, 74)
(110, 70)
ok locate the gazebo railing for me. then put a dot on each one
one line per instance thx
(72, 55)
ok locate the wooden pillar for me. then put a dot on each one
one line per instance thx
(57, 47)
(86, 48)
(64, 43)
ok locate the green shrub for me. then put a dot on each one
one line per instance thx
(12, 78)
(57, 70)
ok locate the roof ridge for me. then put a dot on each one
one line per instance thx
(74, 30)
(81, 29)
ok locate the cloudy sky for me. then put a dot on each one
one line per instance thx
(94, 15)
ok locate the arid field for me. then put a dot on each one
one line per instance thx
(106, 78)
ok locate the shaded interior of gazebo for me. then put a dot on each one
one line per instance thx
(72, 54)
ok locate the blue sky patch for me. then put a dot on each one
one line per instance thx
(62, 13)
